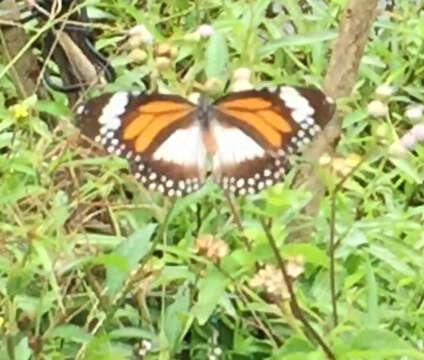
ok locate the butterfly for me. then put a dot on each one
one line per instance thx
(244, 139)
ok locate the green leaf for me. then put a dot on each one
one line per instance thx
(408, 169)
(372, 296)
(71, 333)
(18, 281)
(176, 316)
(391, 259)
(378, 339)
(131, 251)
(182, 204)
(101, 348)
(211, 288)
(173, 273)
(217, 57)
(111, 260)
(295, 345)
(383, 354)
(54, 108)
(130, 332)
(296, 40)
(309, 252)
(22, 350)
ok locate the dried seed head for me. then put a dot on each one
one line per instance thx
(211, 247)
(163, 49)
(272, 281)
(294, 266)
(340, 166)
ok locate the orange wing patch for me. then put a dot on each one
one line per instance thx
(159, 106)
(258, 123)
(145, 123)
(254, 103)
(136, 126)
(158, 123)
(276, 120)
(259, 114)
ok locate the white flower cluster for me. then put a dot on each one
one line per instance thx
(414, 114)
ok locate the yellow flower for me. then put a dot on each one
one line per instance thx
(19, 111)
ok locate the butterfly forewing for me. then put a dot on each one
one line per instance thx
(256, 130)
(158, 135)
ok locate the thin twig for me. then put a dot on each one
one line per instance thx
(128, 287)
(97, 289)
(237, 220)
(297, 311)
(239, 289)
(332, 246)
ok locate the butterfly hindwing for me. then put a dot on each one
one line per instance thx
(258, 129)
(158, 135)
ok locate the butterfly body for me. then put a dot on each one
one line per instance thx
(243, 139)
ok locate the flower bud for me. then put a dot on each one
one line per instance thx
(138, 55)
(377, 108)
(415, 112)
(205, 30)
(384, 91)
(162, 63)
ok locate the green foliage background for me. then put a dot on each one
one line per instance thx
(78, 275)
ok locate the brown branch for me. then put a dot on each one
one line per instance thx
(296, 309)
(12, 39)
(348, 49)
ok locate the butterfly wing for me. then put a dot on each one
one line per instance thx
(256, 130)
(158, 134)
